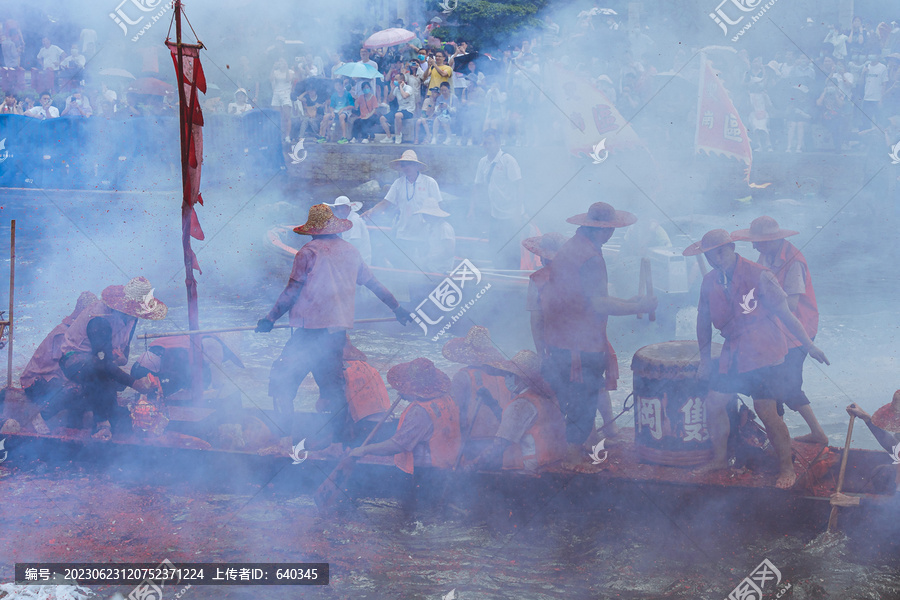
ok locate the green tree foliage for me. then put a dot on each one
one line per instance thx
(489, 24)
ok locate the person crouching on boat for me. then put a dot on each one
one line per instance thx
(532, 433)
(42, 380)
(97, 344)
(479, 390)
(358, 235)
(428, 433)
(745, 303)
(320, 297)
(168, 358)
(367, 401)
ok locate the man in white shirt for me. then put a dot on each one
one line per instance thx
(407, 195)
(497, 183)
(875, 75)
(50, 55)
(45, 110)
(75, 60)
(406, 105)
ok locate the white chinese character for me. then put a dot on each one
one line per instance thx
(650, 415)
(733, 129)
(31, 574)
(765, 572)
(708, 119)
(45, 574)
(746, 590)
(694, 411)
(245, 574)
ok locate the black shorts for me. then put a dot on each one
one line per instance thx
(765, 383)
(405, 113)
(790, 372)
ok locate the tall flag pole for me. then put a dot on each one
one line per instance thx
(190, 80)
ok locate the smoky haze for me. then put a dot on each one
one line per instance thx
(843, 201)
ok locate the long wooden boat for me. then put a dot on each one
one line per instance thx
(622, 479)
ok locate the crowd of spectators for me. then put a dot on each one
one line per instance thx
(432, 91)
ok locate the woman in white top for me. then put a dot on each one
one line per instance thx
(282, 78)
(358, 235)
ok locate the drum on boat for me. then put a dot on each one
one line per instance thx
(670, 425)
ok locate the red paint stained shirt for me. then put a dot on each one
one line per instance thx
(329, 269)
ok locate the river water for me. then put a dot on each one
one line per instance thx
(78, 513)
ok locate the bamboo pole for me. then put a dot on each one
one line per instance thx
(185, 122)
(150, 336)
(12, 289)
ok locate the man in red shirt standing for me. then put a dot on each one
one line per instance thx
(790, 269)
(575, 305)
(745, 303)
(320, 297)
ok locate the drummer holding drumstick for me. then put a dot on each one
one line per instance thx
(744, 302)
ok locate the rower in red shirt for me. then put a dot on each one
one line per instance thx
(745, 303)
(790, 269)
(428, 433)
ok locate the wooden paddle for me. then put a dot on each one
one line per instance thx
(331, 488)
(832, 519)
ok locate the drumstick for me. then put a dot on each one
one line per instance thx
(648, 284)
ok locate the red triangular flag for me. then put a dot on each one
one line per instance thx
(196, 231)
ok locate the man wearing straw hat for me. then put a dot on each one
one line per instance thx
(358, 235)
(545, 247)
(745, 303)
(576, 305)
(98, 343)
(790, 269)
(440, 247)
(407, 195)
(532, 432)
(320, 296)
(428, 432)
